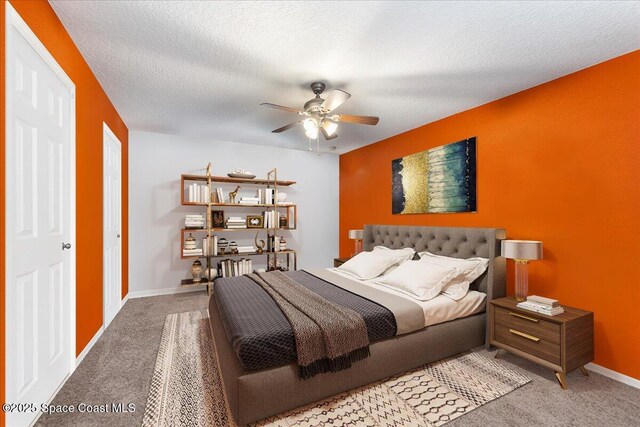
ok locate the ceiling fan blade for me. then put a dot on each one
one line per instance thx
(281, 107)
(334, 99)
(326, 134)
(361, 120)
(283, 128)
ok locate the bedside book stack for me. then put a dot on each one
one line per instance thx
(542, 305)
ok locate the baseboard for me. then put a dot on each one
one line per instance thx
(158, 292)
(88, 347)
(125, 299)
(625, 379)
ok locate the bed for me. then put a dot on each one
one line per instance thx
(255, 393)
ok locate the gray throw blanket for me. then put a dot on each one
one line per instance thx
(329, 337)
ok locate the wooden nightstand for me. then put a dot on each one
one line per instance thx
(337, 262)
(562, 343)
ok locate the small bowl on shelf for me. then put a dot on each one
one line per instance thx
(241, 173)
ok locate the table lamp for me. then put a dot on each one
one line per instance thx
(522, 251)
(357, 236)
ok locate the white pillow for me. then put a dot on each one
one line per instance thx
(418, 279)
(471, 269)
(400, 255)
(368, 265)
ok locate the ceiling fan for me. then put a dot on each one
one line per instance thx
(318, 114)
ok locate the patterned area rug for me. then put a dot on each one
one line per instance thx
(186, 389)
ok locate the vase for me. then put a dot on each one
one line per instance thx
(211, 273)
(196, 271)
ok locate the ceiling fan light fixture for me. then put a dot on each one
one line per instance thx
(312, 133)
(330, 127)
(311, 128)
(310, 124)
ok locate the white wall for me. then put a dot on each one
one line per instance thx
(156, 216)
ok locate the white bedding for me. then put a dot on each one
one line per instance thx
(437, 310)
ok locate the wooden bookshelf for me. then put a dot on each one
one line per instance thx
(271, 256)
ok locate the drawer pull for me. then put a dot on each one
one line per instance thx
(522, 316)
(523, 335)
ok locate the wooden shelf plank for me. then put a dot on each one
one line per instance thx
(194, 230)
(237, 205)
(288, 251)
(226, 179)
(189, 283)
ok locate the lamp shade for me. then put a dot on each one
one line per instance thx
(356, 234)
(522, 249)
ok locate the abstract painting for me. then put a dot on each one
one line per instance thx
(439, 180)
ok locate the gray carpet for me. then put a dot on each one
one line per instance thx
(120, 366)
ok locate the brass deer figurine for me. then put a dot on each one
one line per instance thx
(232, 195)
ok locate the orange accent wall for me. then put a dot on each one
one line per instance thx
(93, 107)
(559, 163)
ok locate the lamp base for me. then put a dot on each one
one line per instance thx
(357, 248)
(522, 279)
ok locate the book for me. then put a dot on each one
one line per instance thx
(543, 300)
(191, 252)
(541, 309)
(537, 305)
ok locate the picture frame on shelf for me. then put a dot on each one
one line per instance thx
(217, 219)
(255, 221)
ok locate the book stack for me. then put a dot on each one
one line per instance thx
(232, 268)
(267, 196)
(246, 249)
(218, 196)
(548, 306)
(249, 200)
(273, 243)
(271, 219)
(194, 221)
(198, 193)
(236, 222)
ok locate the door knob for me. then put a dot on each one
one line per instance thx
(118, 236)
(66, 246)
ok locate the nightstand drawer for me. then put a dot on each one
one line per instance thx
(529, 324)
(529, 342)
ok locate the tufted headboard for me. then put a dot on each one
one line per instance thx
(449, 241)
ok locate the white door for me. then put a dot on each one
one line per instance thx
(40, 278)
(112, 219)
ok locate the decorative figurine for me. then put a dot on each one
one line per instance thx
(190, 242)
(196, 271)
(283, 222)
(259, 246)
(232, 195)
(222, 245)
(283, 244)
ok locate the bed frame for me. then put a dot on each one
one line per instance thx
(254, 395)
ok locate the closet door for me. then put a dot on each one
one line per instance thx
(40, 305)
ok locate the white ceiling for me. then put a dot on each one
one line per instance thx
(201, 68)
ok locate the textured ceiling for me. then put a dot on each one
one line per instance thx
(201, 68)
